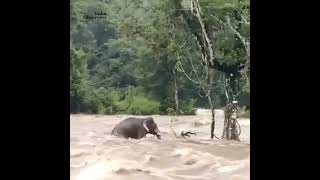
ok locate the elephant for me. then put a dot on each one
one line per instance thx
(136, 128)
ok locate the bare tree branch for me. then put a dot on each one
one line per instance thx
(201, 95)
(245, 43)
(173, 132)
(184, 72)
(244, 21)
(225, 89)
(197, 12)
(196, 73)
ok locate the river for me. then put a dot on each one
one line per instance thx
(95, 155)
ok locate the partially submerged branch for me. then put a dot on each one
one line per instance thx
(187, 133)
(183, 134)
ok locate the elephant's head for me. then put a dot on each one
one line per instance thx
(151, 127)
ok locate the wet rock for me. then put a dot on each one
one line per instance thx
(150, 158)
(122, 171)
(143, 171)
(190, 162)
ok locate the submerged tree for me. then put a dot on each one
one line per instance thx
(218, 44)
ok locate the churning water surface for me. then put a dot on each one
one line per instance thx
(95, 155)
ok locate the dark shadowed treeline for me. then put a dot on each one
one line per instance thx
(143, 57)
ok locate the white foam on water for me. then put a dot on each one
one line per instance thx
(97, 171)
(182, 151)
(228, 168)
(196, 158)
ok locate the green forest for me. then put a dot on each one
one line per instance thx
(145, 57)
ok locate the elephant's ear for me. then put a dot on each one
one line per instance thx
(145, 125)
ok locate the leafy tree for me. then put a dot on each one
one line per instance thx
(130, 55)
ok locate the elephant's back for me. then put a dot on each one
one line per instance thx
(128, 127)
(132, 120)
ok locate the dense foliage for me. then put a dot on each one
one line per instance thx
(126, 55)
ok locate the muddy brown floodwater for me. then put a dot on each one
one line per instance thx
(95, 155)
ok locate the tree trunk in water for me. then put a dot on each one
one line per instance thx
(225, 127)
(210, 78)
(230, 130)
(176, 97)
(213, 120)
(234, 130)
(233, 123)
